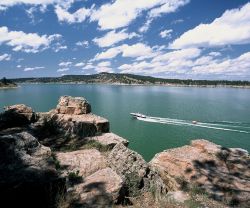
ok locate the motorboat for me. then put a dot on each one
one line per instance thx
(138, 115)
(194, 122)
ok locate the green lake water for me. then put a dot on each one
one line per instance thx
(223, 112)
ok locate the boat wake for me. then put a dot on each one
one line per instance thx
(220, 125)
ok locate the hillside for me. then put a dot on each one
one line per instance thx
(115, 78)
(5, 83)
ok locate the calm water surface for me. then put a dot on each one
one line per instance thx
(223, 108)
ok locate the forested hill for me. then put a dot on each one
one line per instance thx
(5, 83)
(113, 78)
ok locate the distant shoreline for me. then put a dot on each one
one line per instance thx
(146, 84)
(8, 87)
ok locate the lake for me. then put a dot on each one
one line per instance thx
(222, 114)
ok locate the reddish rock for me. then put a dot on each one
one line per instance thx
(223, 173)
(101, 189)
(85, 162)
(73, 105)
(109, 139)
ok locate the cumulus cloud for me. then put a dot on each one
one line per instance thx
(65, 64)
(33, 68)
(166, 33)
(137, 50)
(5, 57)
(104, 64)
(113, 37)
(121, 13)
(27, 42)
(78, 16)
(232, 28)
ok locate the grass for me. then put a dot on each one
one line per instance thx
(55, 161)
(96, 145)
(74, 177)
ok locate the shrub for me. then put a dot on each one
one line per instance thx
(74, 177)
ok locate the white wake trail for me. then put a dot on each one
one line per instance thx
(188, 123)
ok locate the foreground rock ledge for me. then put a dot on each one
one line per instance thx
(223, 173)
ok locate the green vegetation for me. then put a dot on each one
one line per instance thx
(129, 79)
(4, 83)
(74, 177)
(96, 145)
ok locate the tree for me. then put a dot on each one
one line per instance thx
(4, 81)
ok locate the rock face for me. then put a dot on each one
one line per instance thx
(71, 119)
(221, 172)
(135, 172)
(101, 189)
(16, 115)
(75, 106)
(109, 139)
(27, 174)
(86, 162)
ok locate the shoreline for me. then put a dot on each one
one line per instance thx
(147, 84)
(9, 87)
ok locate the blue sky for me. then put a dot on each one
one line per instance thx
(188, 39)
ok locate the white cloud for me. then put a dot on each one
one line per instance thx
(33, 68)
(19, 66)
(89, 66)
(62, 69)
(137, 50)
(5, 57)
(215, 53)
(121, 13)
(80, 64)
(58, 47)
(113, 37)
(164, 7)
(104, 64)
(238, 67)
(84, 43)
(232, 28)
(65, 64)
(79, 16)
(144, 28)
(108, 54)
(8, 3)
(168, 7)
(166, 33)
(27, 42)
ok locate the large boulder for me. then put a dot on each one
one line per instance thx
(85, 162)
(135, 172)
(73, 105)
(16, 115)
(101, 189)
(27, 174)
(223, 173)
(109, 139)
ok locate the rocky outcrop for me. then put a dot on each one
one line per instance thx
(109, 139)
(27, 174)
(16, 115)
(101, 189)
(70, 119)
(73, 106)
(81, 159)
(221, 172)
(85, 162)
(134, 170)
